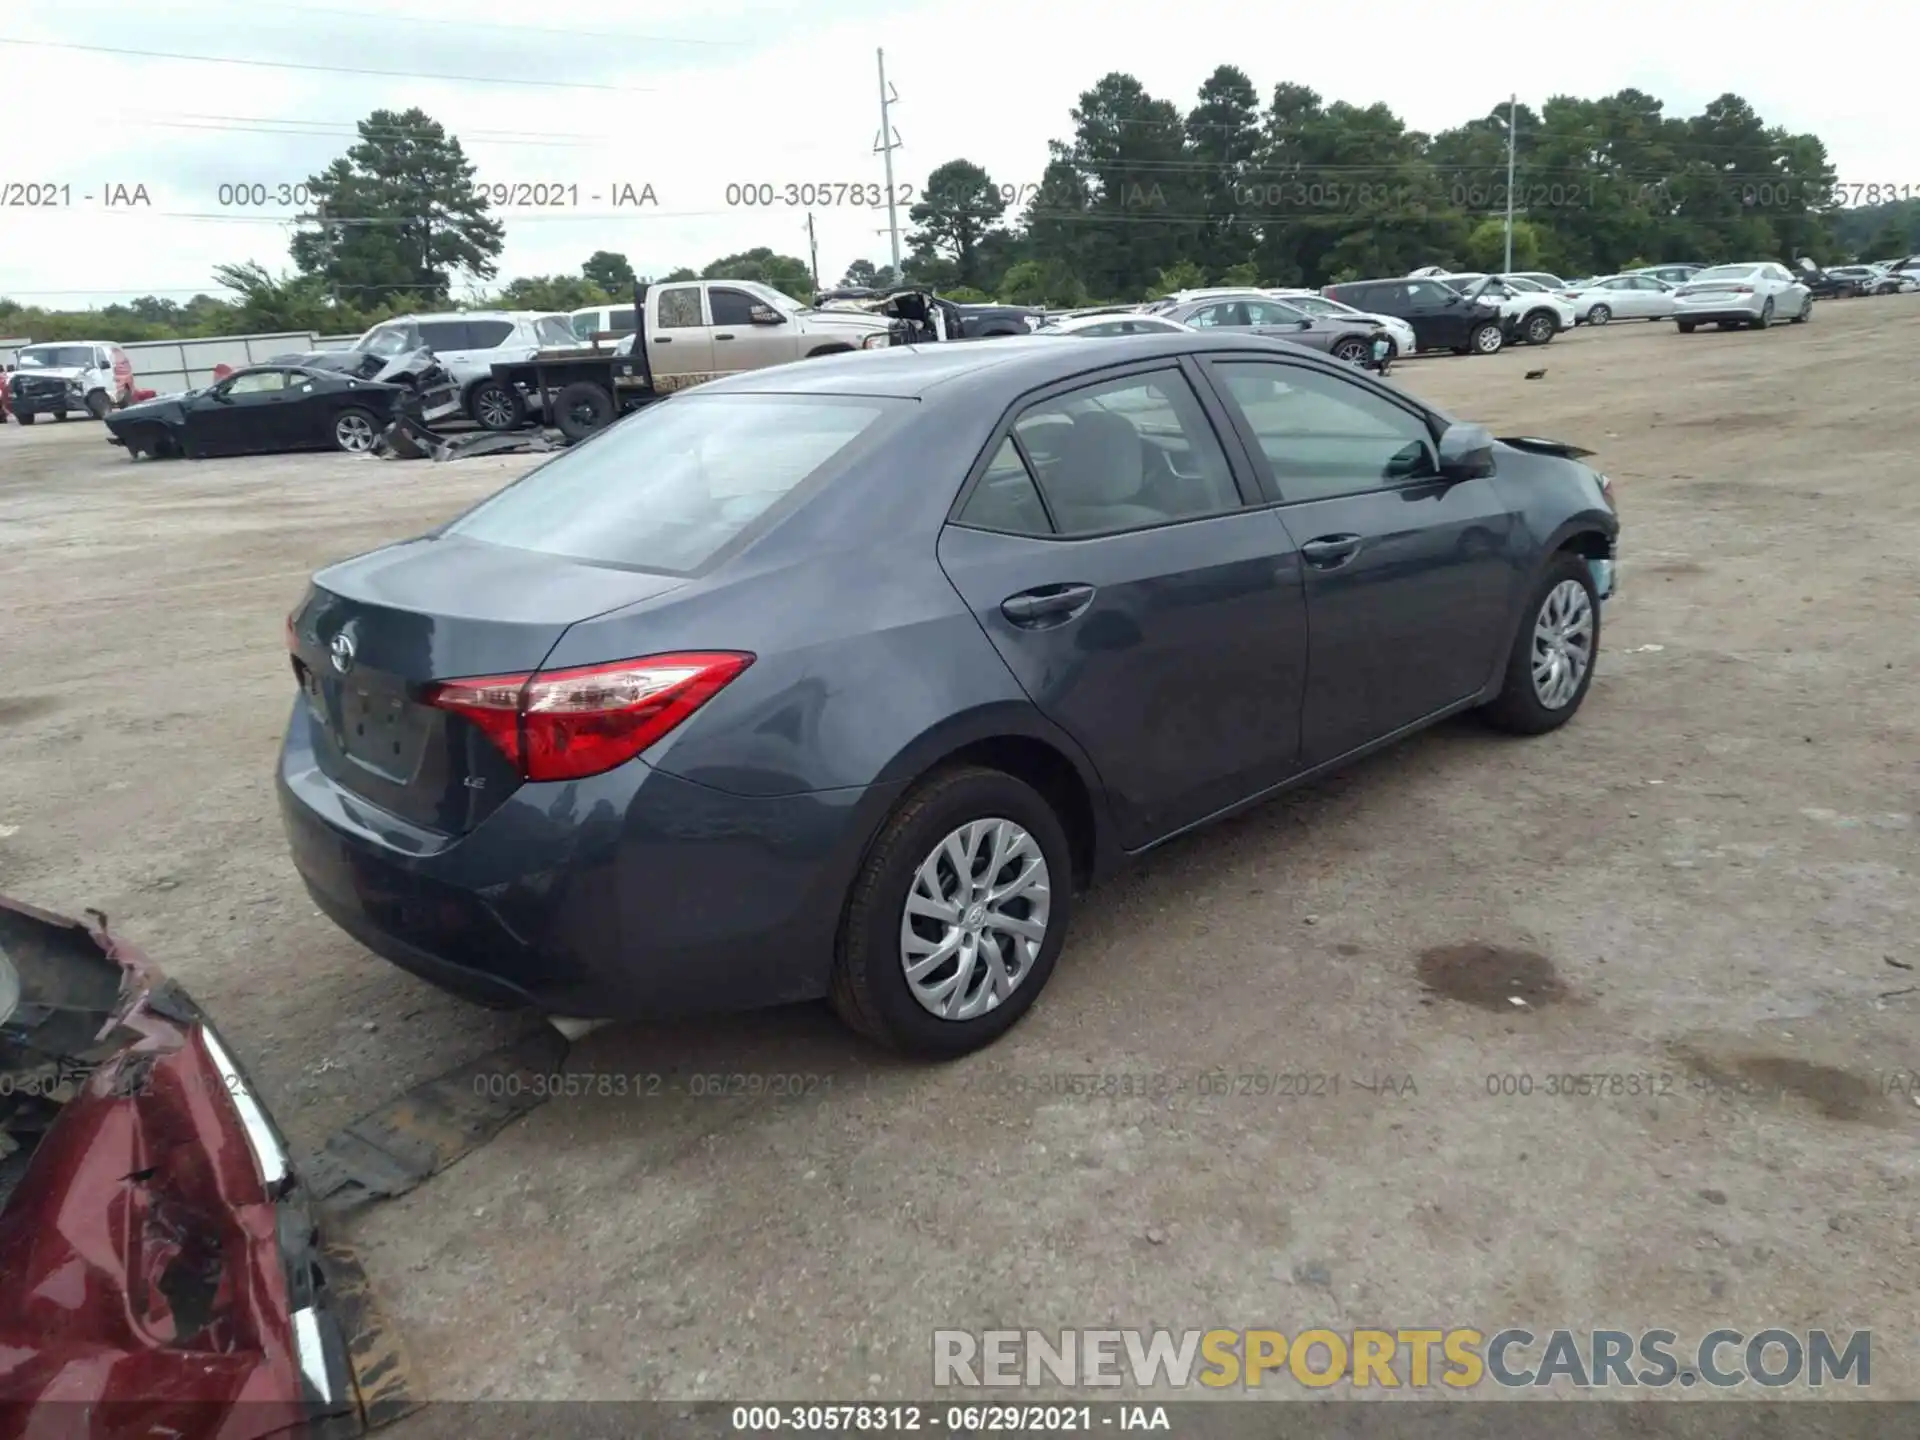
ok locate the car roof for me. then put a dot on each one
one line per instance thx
(1012, 363)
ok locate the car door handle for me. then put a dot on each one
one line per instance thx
(723, 337)
(663, 339)
(1330, 552)
(1047, 605)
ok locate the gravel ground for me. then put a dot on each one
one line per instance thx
(1707, 879)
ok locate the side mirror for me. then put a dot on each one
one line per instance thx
(1303, 323)
(766, 315)
(1466, 452)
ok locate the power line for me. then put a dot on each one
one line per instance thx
(327, 69)
(569, 34)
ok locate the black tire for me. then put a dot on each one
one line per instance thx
(1352, 349)
(494, 405)
(1539, 328)
(870, 991)
(1806, 313)
(582, 408)
(349, 425)
(1486, 339)
(829, 350)
(24, 419)
(98, 405)
(1600, 315)
(1766, 315)
(1686, 326)
(1518, 709)
(60, 415)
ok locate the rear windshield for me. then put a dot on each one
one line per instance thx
(1727, 272)
(668, 488)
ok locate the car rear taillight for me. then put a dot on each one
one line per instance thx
(568, 724)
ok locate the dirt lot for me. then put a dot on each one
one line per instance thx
(1708, 877)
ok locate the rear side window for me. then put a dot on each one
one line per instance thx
(551, 330)
(1127, 455)
(668, 488)
(620, 322)
(487, 334)
(680, 308)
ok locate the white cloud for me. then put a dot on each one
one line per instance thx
(788, 95)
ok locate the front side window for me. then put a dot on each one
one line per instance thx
(1267, 312)
(680, 308)
(732, 307)
(257, 382)
(667, 488)
(1323, 435)
(1127, 454)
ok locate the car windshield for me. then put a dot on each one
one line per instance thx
(1727, 272)
(56, 357)
(386, 341)
(667, 488)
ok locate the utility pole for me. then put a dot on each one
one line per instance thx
(887, 144)
(813, 251)
(1512, 109)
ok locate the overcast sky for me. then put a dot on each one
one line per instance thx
(692, 99)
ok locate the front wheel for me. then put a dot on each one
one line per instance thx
(354, 431)
(1354, 352)
(1599, 315)
(957, 916)
(1551, 665)
(1686, 326)
(1806, 312)
(1486, 339)
(60, 415)
(98, 405)
(1540, 328)
(24, 418)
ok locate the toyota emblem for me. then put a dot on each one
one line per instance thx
(342, 651)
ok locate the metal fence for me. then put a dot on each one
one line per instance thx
(169, 366)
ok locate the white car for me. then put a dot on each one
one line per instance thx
(1316, 304)
(1672, 274)
(1112, 324)
(1752, 295)
(1536, 312)
(469, 344)
(1622, 297)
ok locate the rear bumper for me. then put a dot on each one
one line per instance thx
(1708, 313)
(630, 894)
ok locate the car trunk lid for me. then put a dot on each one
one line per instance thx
(373, 634)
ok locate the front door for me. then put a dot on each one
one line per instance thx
(740, 344)
(1408, 576)
(242, 415)
(1113, 559)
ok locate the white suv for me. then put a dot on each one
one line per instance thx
(468, 344)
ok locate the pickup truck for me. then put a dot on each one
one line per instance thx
(688, 333)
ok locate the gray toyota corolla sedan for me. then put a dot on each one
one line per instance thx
(843, 678)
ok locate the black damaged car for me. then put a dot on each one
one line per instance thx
(266, 409)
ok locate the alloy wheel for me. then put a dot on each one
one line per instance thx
(354, 434)
(1562, 644)
(495, 410)
(975, 919)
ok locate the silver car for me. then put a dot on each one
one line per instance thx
(1344, 337)
(469, 344)
(1112, 324)
(1751, 296)
(1622, 297)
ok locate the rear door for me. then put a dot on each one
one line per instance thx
(449, 341)
(1408, 576)
(679, 341)
(1110, 553)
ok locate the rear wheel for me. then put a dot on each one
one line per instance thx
(354, 431)
(1551, 665)
(582, 408)
(957, 916)
(60, 415)
(1766, 315)
(494, 405)
(24, 419)
(1686, 327)
(1806, 312)
(1486, 339)
(1599, 315)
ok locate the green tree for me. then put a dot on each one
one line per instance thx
(551, 292)
(959, 213)
(1043, 282)
(861, 275)
(675, 276)
(397, 213)
(1223, 147)
(786, 273)
(1181, 275)
(264, 302)
(1130, 152)
(610, 271)
(1486, 246)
